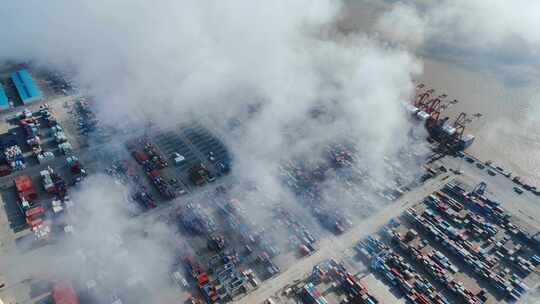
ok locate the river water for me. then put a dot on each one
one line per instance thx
(508, 133)
(507, 94)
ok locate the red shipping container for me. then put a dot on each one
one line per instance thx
(29, 195)
(202, 278)
(34, 211)
(63, 293)
(33, 222)
(140, 156)
(74, 168)
(23, 183)
(423, 299)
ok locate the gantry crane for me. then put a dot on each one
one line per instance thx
(421, 99)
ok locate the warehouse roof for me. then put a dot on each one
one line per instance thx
(4, 104)
(26, 88)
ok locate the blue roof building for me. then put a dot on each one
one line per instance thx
(28, 91)
(4, 103)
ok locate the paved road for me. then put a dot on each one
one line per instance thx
(335, 246)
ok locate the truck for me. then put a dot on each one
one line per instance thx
(65, 148)
(223, 167)
(145, 199)
(25, 188)
(33, 141)
(52, 182)
(60, 137)
(31, 127)
(47, 181)
(76, 167)
(198, 174)
(178, 158)
(44, 156)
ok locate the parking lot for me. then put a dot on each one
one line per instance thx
(192, 145)
(206, 143)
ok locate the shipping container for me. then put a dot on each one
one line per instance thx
(25, 187)
(63, 293)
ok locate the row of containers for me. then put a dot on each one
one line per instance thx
(31, 124)
(342, 281)
(446, 220)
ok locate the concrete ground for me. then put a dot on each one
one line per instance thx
(381, 290)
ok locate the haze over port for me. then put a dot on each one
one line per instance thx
(282, 152)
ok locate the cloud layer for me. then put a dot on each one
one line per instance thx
(177, 61)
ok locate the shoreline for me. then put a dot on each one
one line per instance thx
(508, 133)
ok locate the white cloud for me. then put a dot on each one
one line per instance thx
(179, 59)
(486, 23)
(402, 24)
(174, 61)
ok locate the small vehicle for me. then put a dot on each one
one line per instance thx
(178, 158)
(518, 190)
(456, 171)
(480, 166)
(527, 187)
(211, 156)
(470, 160)
(491, 172)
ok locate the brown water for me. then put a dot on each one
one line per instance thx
(508, 133)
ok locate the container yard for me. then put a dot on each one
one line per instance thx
(330, 281)
(270, 152)
(462, 243)
(177, 161)
(37, 169)
(458, 245)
